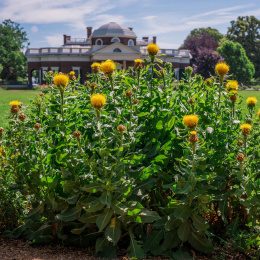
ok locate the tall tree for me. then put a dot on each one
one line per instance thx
(12, 40)
(203, 50)
(246, 31)
(235, 56)
(214, 33)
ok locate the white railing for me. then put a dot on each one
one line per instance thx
(47, 51)
(170, 52)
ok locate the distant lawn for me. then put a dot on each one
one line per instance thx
(24, 96)
(6, 96)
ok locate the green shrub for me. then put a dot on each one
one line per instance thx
(156, 187)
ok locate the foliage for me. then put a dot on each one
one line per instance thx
(12, 41)
(240, 66)
(246, 31)
(204, 57)
(146, 188)
(199, 32)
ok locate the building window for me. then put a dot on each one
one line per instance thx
(55, 69)
(130, 43)
(117, 50)
(76, 70)
(115, 40)
(99, 42)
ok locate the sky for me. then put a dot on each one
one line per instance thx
(45, 21)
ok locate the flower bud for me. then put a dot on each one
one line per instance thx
(192, 101)
(93, 85)
(37, 126)
(15, 109)
(240, 157)
(103, 78)
(77, 134)
(121, 128)
(1, 130)
(22, 117)
(233, 97)
(42, 94)
(50, 72)
(189, 70)
(129, 92)
(86, 83)
(240, 142)
(162, 73)
(136, 101)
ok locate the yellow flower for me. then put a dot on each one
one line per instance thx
(14, 103)
(138, 61)
(193, 132)
(232, 85)
(233, 91)
(95, 65)
(222, 68)
(108, 67)
(191, 120)
(246, 126)
(152, 49)
(251, 101)
(98, 100)
(72, 73)
(61, 80)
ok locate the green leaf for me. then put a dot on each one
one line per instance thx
(148, 216)
(135, 250)
(78, 230)
(153, 240)
(223, 206)
(199, 222)
(88, 218)
(70, 215)
(101, 243)
(95, 206)
(113, 231)
(106, 198)
(183, 213)
(171, 123)
(92, 187)
(103, 219)
(35, 213)
(184, 231)
(159, 125)
(200, 243)
(181, 255)
(119, 208)
(171, 240)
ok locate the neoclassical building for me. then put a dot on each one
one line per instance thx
(110, 41)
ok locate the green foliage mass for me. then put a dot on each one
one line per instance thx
(240, 66)
(246, 31)
(12, 41)
(147, 189)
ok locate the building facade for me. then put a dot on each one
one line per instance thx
(111, 41)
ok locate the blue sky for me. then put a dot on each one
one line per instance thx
(45, 21)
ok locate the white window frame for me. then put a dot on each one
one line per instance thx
(97, 41)
(131, 42)
(76, 70)
(55, 69)
(117, 51)
(115, 38)
(44, 69)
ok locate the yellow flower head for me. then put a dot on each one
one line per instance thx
(61, 80)
(72, 73)
(98, 100)
(258, 113)
(246, 126)
(108, 67)
(191, 120)
(251, 101)
(222, 68)
(153, 49)
(193, 132)
(232, 85)
(138, 61)
(95, 65)
(14, 103)
(233, 91)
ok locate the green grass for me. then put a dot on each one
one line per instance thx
(24, 96)
(6, 96)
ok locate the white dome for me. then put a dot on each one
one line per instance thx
(114, 30)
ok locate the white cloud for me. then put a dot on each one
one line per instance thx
(54, 40)
(149, 17)
(34, 29)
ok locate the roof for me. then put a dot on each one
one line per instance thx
(113, 29)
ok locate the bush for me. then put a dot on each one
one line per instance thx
(123, 171)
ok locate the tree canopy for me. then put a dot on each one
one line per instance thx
(246, 31)
(12, 40)
(214, 33)
(203, 50)
(240, 66)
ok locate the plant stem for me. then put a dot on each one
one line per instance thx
(245, 146)
(193, 156)
(112, 87)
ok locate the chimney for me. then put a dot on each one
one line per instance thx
(130, 28)
(64, 38)
(89, 31)
(145, 39)
(154, 39)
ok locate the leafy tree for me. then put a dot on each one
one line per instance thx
(235, 55)
(12, 41)
(203, 50)
(214, 33)
(246, 31)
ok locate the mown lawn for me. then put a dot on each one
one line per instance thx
(24, 96)
(6, 96)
